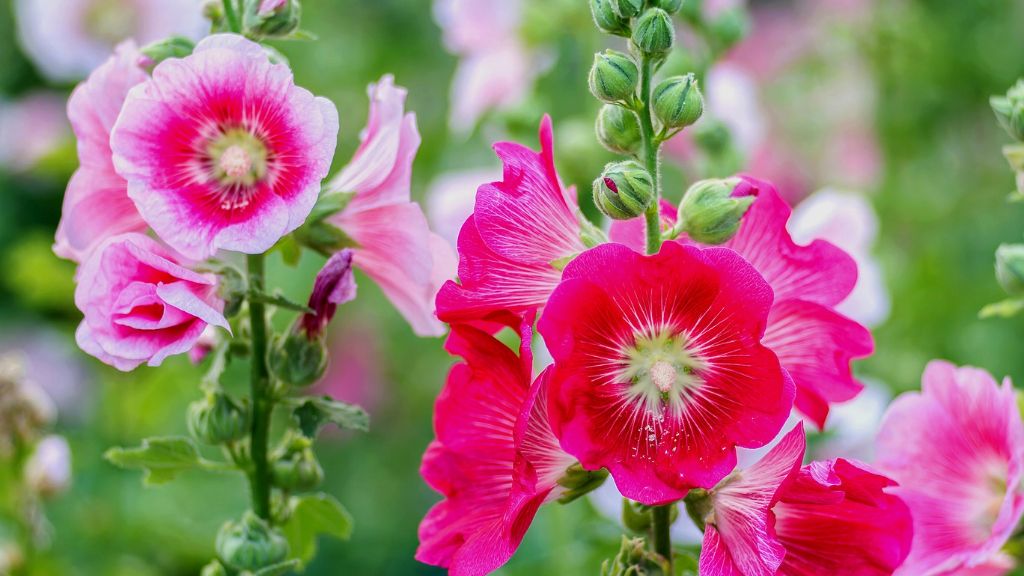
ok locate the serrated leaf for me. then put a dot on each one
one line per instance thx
(279, 569)
(313, 412)
(314, 515)
(162, 459)
(1005, 309)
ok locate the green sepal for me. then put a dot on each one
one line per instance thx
(279, 569)
(1005, 309)
(579, 482)
(313, 412)
(162, 459)
(311, 516)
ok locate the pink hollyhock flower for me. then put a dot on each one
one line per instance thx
(222, 151)
(395, 246)
(956, 449)
(814, 342)
(268, 6)
(141, 304)
(523, 230)
(334, 285)
(34, 127)
(777, 519)
(96, 203)
(659, 371)
(68, 38)
(495, 458)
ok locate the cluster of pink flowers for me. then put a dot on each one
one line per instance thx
(220, 150)
(665, 364)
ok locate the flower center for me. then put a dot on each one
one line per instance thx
(235, 162)
(661, 371)
(663, 375)
(237, 158)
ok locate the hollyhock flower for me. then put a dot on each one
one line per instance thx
(268, 6)
(450, 200)
(68, 38)
(495, 458)
(96, 203)
(334, 285)
(394, 244)
(812, 340)
(833, 517)
(659, 370)
(35, 126)
(141, 304)
(522, 231)
(48, 470)
(222, 151)
(956, 449)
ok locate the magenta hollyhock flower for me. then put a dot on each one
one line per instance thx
(522, 231)
(495, 458)
(222, 151)
(394, 244)
(96, 203)
(334, 285)
(956, 449)
(659, 370)
(777, 519)
(141, 304)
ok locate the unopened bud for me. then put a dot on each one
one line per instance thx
(634, 559)
(618, 129)
(213, 10)
(607, 19)
(214, 568)
(250, 544)
(635, 516)
(624, 191)
(613, 77)
(578, 481)
(1010, 268)
(730, 27)
(678, 102)
(1009, 110)
(218, 419)
(295, 466)
(628, 8)
(670, 6)
(271, 18)
(48, 470)
(710, 214)
(298, 361)
(653, 33)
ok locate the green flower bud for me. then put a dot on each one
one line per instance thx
(709, 212)
(295, 466)
(618, 129)
(218, 419)
(276, 23)
(1010, 268)
(730, 27)
(678, 102)
(635, 516)
(634, 559)
(250, 544)
(297, 360)
(670, 6)
(579, 481)
(1009, 110)
(607, 19)
(699, 506)
(628, 8)
(613, 77)
(214, 568)
(653, 33)
(625, 190)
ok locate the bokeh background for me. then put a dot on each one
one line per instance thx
(885, 101)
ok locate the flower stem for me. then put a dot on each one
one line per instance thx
(262, 403)
(651, 147)
(661, 525)
(231, 15)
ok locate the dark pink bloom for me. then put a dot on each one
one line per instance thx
(395, 246)
(96, 204)
(956, 449)
(141, 304)
(659, 370)
(222, 151)
(523, 231)
(778, 519)
(334, 285)
(495, 458)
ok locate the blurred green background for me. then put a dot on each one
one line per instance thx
(930, 67)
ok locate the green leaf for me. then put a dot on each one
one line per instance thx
(302, 36)
(1005, 309)
(280, 301)
(161, 458)
(314, 515)
(313, 412)
(279, 569)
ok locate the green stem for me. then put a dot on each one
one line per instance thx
(661, 517)
(262, 403)
(231, 15)
(651, 147)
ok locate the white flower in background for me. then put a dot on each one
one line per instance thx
(33, 127)
(48, 470)
(852, 426)
(68, 38)
(849, 221)
(451, 197)
(733, 98)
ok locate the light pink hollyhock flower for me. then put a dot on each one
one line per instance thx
(659, 370)
(96, 203)
(34, 126)
(523, 229)
(141, 304)
(495, 458)
(222, 151)
(395, 246)
(778, 519)
(68, 38)
(268, 6)
(956, 449)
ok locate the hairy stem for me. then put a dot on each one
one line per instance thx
(661, 524)
(262, 403)
(651, 147)
(231, 16)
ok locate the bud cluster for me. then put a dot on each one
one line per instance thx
(1009, 111)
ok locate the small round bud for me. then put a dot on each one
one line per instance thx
(730, 27)
(653, 33)
(670, 6)
(1009, 110)
(635, 516)
(710, 213)
(618, 129)
(214, 568)
(218, 419)
(295, 468)
(48, 470)
(628, 8)
(624, 191)
(297, 360)
(607, 19)
(678, 102)
(250, 544)
(613, 77)
(1010, 268)
(276, 19)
